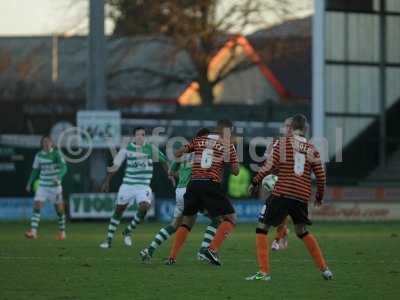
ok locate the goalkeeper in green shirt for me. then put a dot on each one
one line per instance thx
(183, 171)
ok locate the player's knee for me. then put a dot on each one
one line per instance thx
(119, 210)
(231, 219)
(176, 223)
(301, 231)
(216, 221)
(144, 207)
(262, 228)
(302, 235)
(261, 231)
(188, 221)
(59, 209)
(188, 227)
(37, 205)
(59, 212)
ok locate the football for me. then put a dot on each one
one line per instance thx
(269, 182)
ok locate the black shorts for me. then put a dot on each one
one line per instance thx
(276, 209)
(206, 195)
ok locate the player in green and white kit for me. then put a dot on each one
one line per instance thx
(135, 187)
(50, 167)
(183, 171)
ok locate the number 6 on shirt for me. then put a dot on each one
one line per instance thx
(207, 158)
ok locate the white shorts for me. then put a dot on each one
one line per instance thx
(179, 193)
(51, 194)
(129, 194)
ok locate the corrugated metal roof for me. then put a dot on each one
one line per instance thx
(142, 67)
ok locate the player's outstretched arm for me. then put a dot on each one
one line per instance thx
(235, 169)
(173, 172)
(32, 178)
(319, 171)
(117, 162)
(159, 156)
(105, 186)
(167, 170)
(112, 170)
(34, 174)
(253, 189)
(233, 160)
(173, 168)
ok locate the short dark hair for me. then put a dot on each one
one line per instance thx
(202, 131)
(137, 129)
(224, 123)
(299, 122)
(46, 136)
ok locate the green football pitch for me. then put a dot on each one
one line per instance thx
(364, 257)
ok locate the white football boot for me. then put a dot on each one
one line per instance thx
(259, 276)
(127, 240)
(275, 245)
(105, 245)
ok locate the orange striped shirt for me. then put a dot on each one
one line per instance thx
(211, 154)
(293, 159)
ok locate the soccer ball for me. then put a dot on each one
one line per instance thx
(269, 182)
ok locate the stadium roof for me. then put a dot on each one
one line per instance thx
(140, 67)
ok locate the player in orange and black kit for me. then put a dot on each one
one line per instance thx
(204, 191)
(293, 160)
(281, 237)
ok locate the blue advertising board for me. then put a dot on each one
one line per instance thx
(246, 210)
(21, 209)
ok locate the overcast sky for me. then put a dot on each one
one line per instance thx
(45, 17)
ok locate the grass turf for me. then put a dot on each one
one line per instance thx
(363, 256)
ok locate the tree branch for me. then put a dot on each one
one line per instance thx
(243, 66)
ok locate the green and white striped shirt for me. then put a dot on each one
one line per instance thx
(51, 167)
(139, 163)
